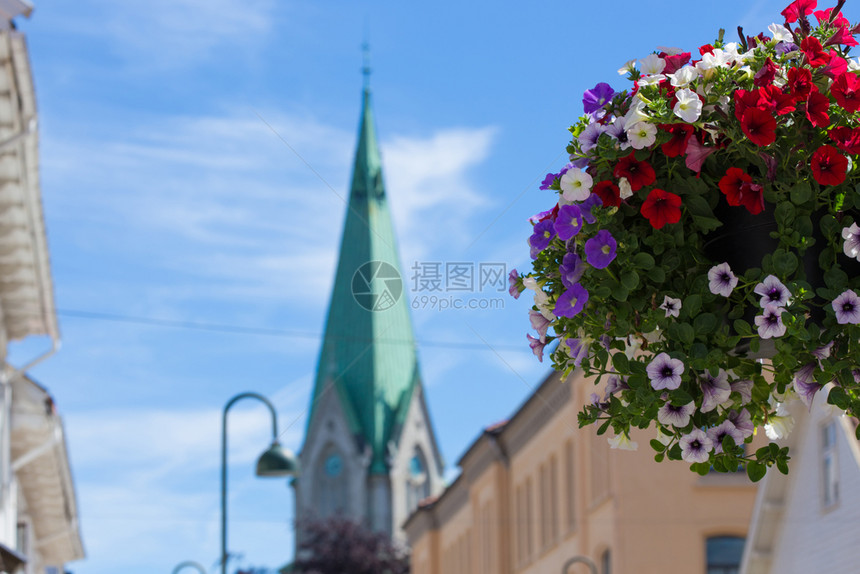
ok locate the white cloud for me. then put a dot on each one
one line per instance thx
(430, 189)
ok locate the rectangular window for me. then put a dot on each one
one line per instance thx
(553, 498)
(599, 468)
(569, 484)
(543, 505)
(529, 518)
(521, 524)
(829, 465)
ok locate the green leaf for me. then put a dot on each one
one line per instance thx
(838, 398)
(784, 262)
(620, 292)
(621, 363)
(742, 327)
(784, 213)
(756, 470)
(704, 323)
(643, 260)
(801, 192)
(657, 445)
(835, 278)
(657, 275)
(692, 304)
(630, 279)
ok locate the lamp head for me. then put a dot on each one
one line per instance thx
(277, 461)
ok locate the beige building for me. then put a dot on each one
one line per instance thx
(536, 491)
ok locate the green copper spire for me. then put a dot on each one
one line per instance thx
(368, 356)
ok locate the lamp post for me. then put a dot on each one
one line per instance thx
(275, 461)
(579, 559)
(189, 563)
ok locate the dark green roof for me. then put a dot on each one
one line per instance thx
(368, 356)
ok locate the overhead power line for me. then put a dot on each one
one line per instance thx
(266, 331)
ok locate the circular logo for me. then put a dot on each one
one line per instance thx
(377, 286)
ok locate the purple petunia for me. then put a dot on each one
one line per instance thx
(577, 350)
(718, 433)
(847, 308)
(587, 207)
(597, 97)
(743, 422)
(715, 390)
(568, 222)
(571, 302)
(805, 385)
(614, 384)
(721, 280)
(547, 181)
(513, 284)
(744, 389)
(539, 323)
(665, 372)
(671, 306)
(542, 235)
(537, 347)
(571, 269)
(600, 249)
(679, 417)
(589, 136)
(770, 323)
(696, 446)
(772, 292)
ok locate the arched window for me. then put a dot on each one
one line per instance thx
(331, 486)
(418, 482)
(724, 554)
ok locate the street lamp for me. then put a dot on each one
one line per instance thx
(188, 563)
(579, 559)
(275, 461)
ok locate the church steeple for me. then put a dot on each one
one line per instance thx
(368, 356)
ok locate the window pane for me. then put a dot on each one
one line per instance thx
(724, 554)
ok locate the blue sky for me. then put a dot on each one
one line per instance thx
(171, 193)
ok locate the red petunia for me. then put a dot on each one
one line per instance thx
(817, 107)
(837, 65)
(706, 49)
(638, 173)
(846, 90)
(661, 207)
(608, 193)
(759, 126)
(681, 134)
(846, 139)
(828, 165)
(774, 99)
(815, 54)
(764, 77)
(799, 83)
(739, 190)
(674, 62)
(797, 9)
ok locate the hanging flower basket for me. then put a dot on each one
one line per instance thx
(701, 261)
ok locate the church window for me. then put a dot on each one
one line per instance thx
(331, 484)
(418, 482)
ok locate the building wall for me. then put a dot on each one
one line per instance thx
(558, 492)
(814, 536)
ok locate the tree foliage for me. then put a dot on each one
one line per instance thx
(338, 545)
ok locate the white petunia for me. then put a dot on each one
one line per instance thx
(652, 64)
(689, 106)
(683, 76)
(669, 50)
(636, 113)
(627, 68)
(642, 135)
(622, 442)
(624, 188)
(779, 425)
(780, 33)
(651, 80)
(576, 184)
(851, 235)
